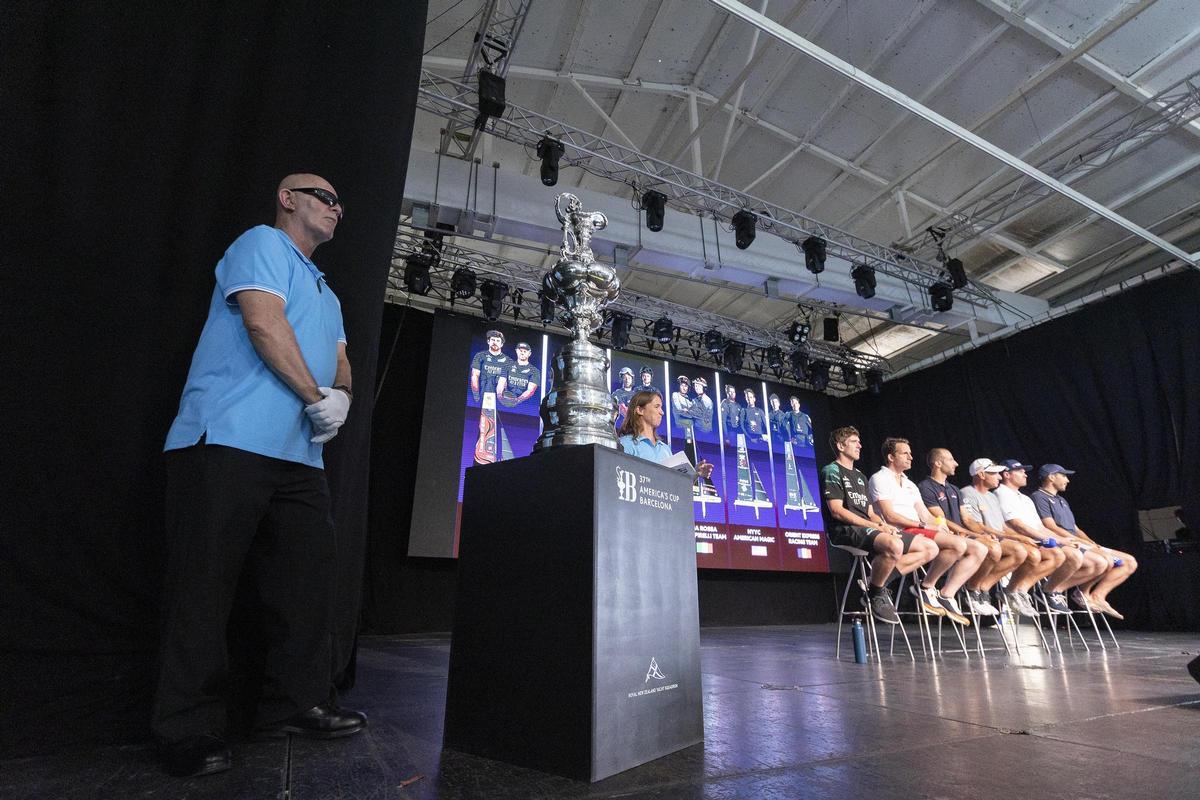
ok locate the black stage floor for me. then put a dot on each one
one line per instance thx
(782, 720)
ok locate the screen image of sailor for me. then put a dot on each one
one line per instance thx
(796, 482)
(504, 385)
(630, 374)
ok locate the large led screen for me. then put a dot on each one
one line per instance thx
(759, 510)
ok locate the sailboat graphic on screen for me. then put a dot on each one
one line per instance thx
(489, 432)
(799, 498)
(749, 486)
(703, 490)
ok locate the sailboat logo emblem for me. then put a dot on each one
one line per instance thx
(654, 671)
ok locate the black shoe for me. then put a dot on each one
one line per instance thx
(1194, 668)
(1058, 603)
(319, 722)
(882, 607)
(196, 755)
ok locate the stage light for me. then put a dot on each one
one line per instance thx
(732, 355)
(462, 283)
(864, 281)
(798, 332)
(492, 293)
(714, 342)
(958, 273)
(664, 330)
(849, 375)
(774, 357)
(744, 227)
(655, 205)
(548, 310)
(814, 254)
(621, 323)
(941, 297)
(549, 151)
(830, 332)
(799, 363)
(416, 274)
(491, 97)
(874, 381)
(818, 375)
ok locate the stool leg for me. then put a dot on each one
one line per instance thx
(842, 614)
(862, 568)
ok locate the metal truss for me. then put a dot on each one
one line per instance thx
(685, 190)
(690, 325)
(1170, 110)
(500, 24)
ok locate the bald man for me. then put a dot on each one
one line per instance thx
(246, 493)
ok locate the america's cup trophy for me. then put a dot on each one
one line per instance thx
(579, 408)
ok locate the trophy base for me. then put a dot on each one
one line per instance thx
(578, 409)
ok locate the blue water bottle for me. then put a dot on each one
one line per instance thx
(860, 642)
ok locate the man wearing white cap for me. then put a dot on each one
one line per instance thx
(1058, 518)
(980, 501)
(681, 404)
(623, 392)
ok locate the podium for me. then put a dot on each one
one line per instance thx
(576, 634)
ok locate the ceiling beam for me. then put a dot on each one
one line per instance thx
(1152, 185)
(737, 83)
(1093, 65)
(899, 32)
(737, 102)
(954, 129)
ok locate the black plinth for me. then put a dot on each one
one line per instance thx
(576, 632)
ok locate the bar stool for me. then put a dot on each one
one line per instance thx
(966, 603)
(860, 574)
(923, 616)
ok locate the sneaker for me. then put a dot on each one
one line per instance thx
(1058, 603)
(929, 600)
(1081, 602)
(882, 607)
(981, 604)
(1021, 603)
(973, 603)
(950, 605)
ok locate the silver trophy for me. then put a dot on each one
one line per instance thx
(579, 408)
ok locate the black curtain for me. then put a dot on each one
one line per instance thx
(1112, 391)
(404, 595)
(138, 141)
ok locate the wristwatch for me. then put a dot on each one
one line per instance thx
(345, 389)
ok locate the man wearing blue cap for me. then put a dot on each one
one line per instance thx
(1058, 518)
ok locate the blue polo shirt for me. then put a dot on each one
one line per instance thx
(1056, 507)
(231, 396)
(642, 447)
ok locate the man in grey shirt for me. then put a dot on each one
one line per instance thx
(981, 502)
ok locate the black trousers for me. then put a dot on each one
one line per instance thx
(229, 510)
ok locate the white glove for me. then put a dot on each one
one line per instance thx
(324, 436)
(329, 413)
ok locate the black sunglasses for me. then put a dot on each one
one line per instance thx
(324, 195)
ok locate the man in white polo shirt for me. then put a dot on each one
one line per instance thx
(1021, 515)
(898, 501)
